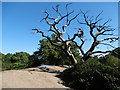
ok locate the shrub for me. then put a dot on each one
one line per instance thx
(91, 75)
(33, 61)
(19, 60)
(111, 61)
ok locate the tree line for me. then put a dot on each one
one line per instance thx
(19, 60)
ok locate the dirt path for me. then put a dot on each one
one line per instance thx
(30, 79)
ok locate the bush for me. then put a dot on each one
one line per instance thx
(91, 75)
(33, 61)
(19, 60)
(111, 61)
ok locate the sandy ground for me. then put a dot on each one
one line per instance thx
(31, 79)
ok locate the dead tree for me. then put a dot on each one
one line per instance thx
(92, 23)
(101, 30)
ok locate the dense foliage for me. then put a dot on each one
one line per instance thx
(18, 60)
(102, 74)
(33, 61)
(116, 52)
(53, 55)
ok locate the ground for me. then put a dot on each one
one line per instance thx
(31, 79)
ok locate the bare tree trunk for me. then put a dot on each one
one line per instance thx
(71, 57)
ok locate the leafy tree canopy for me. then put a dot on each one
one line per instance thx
(54, 55)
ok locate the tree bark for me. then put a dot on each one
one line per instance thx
(71, 57)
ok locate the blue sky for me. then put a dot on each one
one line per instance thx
(18, 18)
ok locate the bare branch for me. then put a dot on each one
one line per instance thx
(52, 30)
(67, 10)
(102, 27)
(67, 6)
(47, 16)
(81, 50)
(108, 34)
(98, 15)
(102, 33)
(72, 38)
(42, 19)
(48, 22)
(64, 16)
(91, 18)
(106, 22)
(58, 33)
(68, 23)
(85, 17)
(55, 44)
(59, 14)
(89, 24)
(112, 39)
(100, 52)
(73, 19)
(80, 47)
(80, 22)
(97, 21)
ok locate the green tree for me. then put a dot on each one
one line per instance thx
(6, 64)
(18, 60)
(54, 55)
(110, 60)
(8, 57)
(14, 59)
(33, 61)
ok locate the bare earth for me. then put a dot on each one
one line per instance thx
(31, 79)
